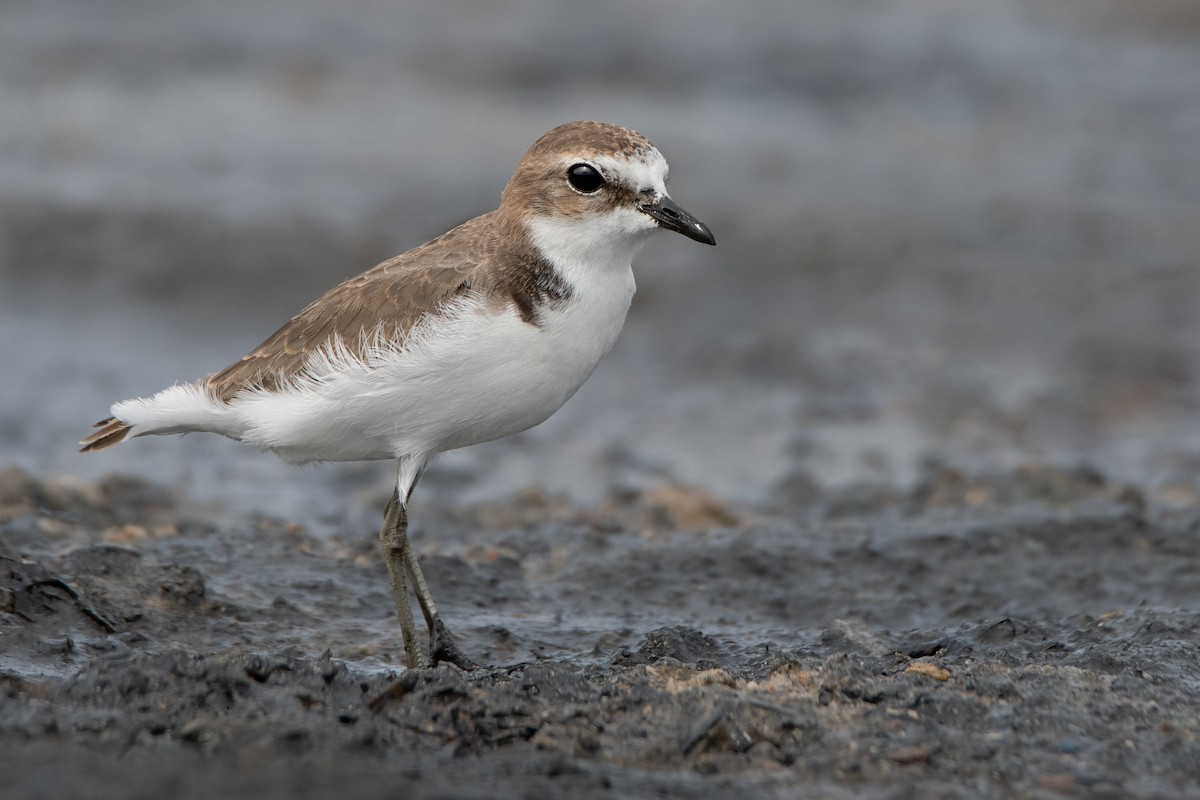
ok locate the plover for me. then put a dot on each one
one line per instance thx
(481, 333)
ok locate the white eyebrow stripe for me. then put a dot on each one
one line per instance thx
(646, 170)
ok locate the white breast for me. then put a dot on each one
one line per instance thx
(535, 369)
(464, 377)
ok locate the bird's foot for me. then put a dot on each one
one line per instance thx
(442, 649)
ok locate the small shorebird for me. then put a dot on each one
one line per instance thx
(481, 333)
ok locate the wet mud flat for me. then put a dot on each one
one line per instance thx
(1030, 633)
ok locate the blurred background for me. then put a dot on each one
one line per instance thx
(950, 231)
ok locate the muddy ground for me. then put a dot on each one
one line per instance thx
(1022, 634)
(893, 493)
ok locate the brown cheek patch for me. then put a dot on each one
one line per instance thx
(550, 194)
(617, 195)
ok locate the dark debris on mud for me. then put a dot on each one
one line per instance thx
(1014, 635)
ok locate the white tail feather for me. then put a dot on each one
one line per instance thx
(182, 408)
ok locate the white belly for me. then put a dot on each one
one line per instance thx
(467, 377)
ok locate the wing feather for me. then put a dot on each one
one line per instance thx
(389, 298)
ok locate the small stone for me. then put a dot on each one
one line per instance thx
(929, 670)
(126, 534)
(1062, 784)
(917, 754)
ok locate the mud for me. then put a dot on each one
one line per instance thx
(893, 493)
(1019, 634)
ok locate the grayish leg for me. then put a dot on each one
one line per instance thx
(441, 643)
(402, 566)
(393, 540)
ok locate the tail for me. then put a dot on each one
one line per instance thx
(112, 431)
(183, 408)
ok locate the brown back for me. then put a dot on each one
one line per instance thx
(389, 299)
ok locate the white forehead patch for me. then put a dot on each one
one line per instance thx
(644, 170)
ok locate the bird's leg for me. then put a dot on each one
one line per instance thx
(403, 560)
(441, 643)
(393, 540)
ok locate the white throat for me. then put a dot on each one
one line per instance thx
(583, 247)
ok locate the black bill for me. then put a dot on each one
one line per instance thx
(673, 218)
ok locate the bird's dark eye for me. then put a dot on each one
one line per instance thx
(585, 178)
